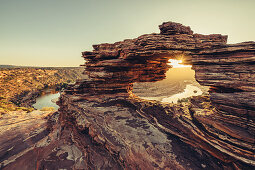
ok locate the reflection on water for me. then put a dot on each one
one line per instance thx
(47, 100)
(179, 83)
(189, 91)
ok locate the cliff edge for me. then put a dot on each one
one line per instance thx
(103, 125)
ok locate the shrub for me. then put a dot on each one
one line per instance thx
(183, 100)
(48, 109)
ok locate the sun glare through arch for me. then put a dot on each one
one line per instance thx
(177, 63)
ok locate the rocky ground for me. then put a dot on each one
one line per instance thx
(21, 126)
(101, 124)
(22, 132)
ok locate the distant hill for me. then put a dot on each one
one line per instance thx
(19, 84)
(13, 66)
(8, 66)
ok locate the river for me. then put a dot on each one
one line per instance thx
(180, 83)
(47, 99)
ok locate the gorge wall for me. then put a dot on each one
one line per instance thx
(21, 85)
(103, 125)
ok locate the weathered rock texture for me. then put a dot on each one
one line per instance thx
(102, 125)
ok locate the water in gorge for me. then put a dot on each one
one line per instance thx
(47, 99)
(180, 83)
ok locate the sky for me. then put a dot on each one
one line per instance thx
(55, 32)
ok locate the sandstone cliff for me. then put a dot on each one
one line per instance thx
(103, 125)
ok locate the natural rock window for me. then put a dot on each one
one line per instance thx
(178, 86)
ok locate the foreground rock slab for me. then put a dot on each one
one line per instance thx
(101, 124)
(20, 132)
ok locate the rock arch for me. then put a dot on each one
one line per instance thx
(112, 68)
(101, 125)
(227, 129)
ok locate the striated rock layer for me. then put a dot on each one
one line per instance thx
(102, 125)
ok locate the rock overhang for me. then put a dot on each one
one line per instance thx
(229, 68)
(102, 125)
(150, 52)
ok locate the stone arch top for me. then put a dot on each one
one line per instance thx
(112, 68)
(172, 37)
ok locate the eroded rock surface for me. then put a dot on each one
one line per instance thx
(102, 125)
(20, 133)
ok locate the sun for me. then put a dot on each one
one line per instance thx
(177, 63)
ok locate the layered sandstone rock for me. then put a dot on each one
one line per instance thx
(102, 125)
(227, 69)
(171, 28)
(22, 133)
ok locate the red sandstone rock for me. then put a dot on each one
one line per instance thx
(102, 125)
(170, 28)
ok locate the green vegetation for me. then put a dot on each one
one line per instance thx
(48, 109)
(21, 83)
(183, 100)
(6, 107)
(30, 109)
(17, 80)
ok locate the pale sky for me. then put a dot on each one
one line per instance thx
(55, 32)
